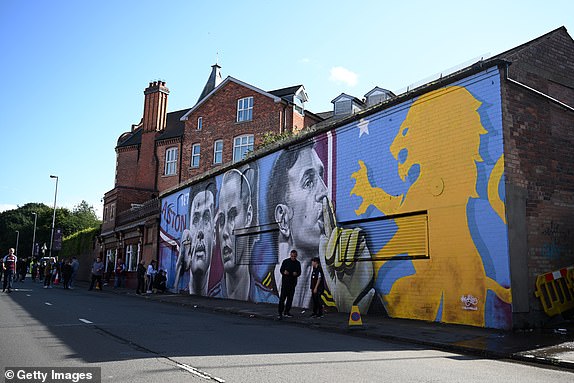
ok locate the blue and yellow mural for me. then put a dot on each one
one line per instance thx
(405, 208)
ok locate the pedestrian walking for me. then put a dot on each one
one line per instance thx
(97, 273)
(290, 271)
(9, 270)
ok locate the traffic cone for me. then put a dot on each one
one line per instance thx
(355, 317)
(57, 278)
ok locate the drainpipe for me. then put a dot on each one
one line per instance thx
(537, 91)
(282, 120)
(180, 159)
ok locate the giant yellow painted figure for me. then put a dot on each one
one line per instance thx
(441, 135)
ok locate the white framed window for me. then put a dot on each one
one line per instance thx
(170, 161)
(132, 257)
(245, 109)
(241, 146)
(218, 152)
(110, 258)
(299, 106)
(199, 123)
(195, 150)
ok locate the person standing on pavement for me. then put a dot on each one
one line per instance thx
(1, 268)
(290, 271)
(75, 268)
(317, 286)
(119, 273)
(66, 273)
(9, 269)
(150, 274)
(97, 273)
(48, 274)
(141, 271)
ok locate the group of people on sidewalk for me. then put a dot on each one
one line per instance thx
(149, 279)
(290, 271)
(48, 271)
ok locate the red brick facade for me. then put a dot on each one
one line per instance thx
(141, 153)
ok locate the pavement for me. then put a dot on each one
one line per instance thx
(549, 346)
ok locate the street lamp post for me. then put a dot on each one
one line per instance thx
(53, 216)
(34, 235)
(17, 240)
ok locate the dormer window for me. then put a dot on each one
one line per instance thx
(298, 106)
(342, 107)
(245, 109)
(378, 95)
(345, 105)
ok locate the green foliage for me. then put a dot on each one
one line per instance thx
(22, 220)
(80, 242)
(272, 137)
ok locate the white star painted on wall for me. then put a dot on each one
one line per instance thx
(363, 126)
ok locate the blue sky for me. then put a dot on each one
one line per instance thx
(74, 71)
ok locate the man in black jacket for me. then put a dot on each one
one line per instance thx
(290, 271)
(141, 270)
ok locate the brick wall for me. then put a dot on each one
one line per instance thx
(539, 136)
(219, 114)
(126, 166)
(166, 181)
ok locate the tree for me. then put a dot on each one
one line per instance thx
(22, 220)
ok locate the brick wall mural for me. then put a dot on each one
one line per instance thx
(405, 208)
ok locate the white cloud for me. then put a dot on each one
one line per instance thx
(304, 60)
(5, 207)
(340, 74)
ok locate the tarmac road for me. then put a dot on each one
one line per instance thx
(145, 339)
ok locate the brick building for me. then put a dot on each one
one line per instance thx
(166, 148)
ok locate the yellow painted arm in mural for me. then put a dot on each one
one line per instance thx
(346, 261)
(377, 197)
(493, 182)
(503, 293)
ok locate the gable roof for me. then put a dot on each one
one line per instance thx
(227, 80)
(348, 97)
(506, 54)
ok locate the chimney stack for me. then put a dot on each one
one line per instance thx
(155, 106)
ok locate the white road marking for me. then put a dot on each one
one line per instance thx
(48, 303)
(85, 321)
(199, 373)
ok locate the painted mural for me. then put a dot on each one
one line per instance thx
(174, 221)
(405, 208)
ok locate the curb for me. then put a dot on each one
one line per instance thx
(363, 331)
